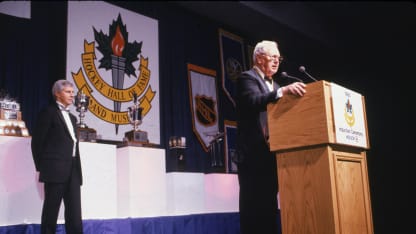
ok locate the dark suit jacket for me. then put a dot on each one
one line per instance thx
(252, 99)
(52, 146)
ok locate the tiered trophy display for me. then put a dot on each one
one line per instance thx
(177, 147)
(136, 136)
(82, 102)
(11, 123)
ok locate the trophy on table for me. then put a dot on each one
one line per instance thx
(82, 102)
(11, 123)
(177, 147)
(136, 136)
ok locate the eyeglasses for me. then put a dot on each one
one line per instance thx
(273, 57)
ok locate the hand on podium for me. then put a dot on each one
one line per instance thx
(296, 88)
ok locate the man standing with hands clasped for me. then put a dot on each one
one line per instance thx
(56, 156)
(257, 169)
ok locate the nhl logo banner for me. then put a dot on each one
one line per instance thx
(204, 100)
(113, 53)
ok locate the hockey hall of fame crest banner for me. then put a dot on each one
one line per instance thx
(113, 53)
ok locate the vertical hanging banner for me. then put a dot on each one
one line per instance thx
(232, 61)
(204, 101)
(113, 53)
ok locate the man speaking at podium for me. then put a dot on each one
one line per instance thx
(257, 169)
(55, 152)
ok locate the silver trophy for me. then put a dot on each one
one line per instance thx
(135, 113)
(135, 118)
(82, 102)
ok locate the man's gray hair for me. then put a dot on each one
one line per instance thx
(59, 85)
(263, 47)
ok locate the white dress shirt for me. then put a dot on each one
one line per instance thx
(268, 83)
(65, 113)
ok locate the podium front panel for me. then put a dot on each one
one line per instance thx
(324, 190)
(302, 121)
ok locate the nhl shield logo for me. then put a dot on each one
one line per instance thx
(205, 110)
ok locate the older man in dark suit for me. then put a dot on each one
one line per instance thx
(56, 156)
(257, 169)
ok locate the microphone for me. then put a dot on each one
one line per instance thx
(303, 70)
(284, 74)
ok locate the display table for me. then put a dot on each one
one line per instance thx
(118, 183)
(185, 193)
(21, 194)
(98, 196)
(221, 192)
(141, 179)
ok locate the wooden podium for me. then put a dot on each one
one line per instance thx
(322, 167)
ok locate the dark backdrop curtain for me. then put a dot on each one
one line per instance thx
(33, 56)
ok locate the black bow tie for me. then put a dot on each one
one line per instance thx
(268, 79)
(62, 108)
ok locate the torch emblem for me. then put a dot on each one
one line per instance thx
(118, 64)
(118, 55)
